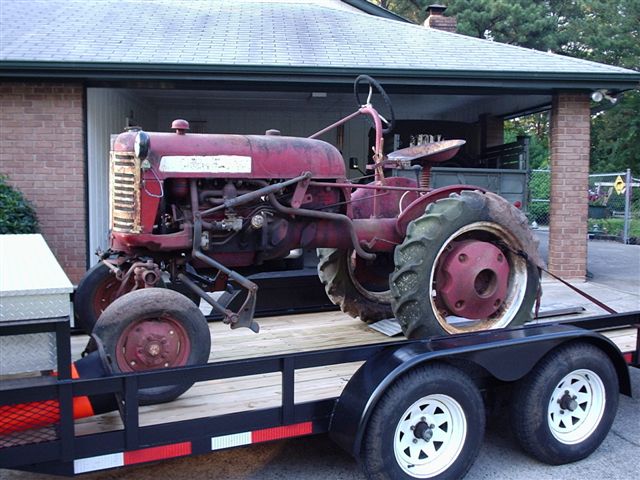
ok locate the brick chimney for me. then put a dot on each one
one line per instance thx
(437, 20)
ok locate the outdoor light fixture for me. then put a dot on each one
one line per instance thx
(599, 95)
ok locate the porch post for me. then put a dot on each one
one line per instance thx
(570, 143)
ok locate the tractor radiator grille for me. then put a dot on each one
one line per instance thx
(125, 192)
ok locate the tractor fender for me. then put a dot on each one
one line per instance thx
(417, 208)
(493, 350)
(390, 201)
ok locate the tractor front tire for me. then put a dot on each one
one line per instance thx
(460, 268)
(369, 299)
(154, 328)
(96, 291)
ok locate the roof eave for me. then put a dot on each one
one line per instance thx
(616, 81)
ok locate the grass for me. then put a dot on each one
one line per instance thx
(614, 226)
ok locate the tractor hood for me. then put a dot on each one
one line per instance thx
(180, 155)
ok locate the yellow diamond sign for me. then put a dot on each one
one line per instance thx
(619, 185)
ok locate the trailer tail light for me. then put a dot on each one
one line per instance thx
(259, 436)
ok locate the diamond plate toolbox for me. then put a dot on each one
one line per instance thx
(33, 286)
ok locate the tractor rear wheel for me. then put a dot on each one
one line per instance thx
(460, 268)
(360, 288)
(154, 328)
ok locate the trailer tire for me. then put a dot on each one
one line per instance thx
(154, 328)
(430, 285)
(345, 290)
(449, 417)
(564, 408)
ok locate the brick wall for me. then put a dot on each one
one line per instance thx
(42, 152)
(570, 141)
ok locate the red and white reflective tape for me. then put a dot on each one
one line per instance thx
(112, 460)
(258, 436)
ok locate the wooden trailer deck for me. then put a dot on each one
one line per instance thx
(278, 335)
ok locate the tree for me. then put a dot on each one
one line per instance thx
(608, 32)
(596, 30)
(517, 22)
(536, 127)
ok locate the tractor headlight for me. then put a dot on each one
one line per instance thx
(141, 145)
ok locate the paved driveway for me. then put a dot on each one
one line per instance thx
(609, 263)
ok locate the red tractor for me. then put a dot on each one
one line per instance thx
(191, 212)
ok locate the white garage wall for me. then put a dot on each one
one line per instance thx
(107, 113)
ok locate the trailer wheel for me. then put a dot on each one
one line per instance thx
(360, 289)
(563, 409)
(429, 424)
(154, 328)
(459, 269)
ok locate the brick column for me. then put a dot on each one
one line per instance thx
(570, 142)
(42, 153)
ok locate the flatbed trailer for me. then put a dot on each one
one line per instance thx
(303, 375)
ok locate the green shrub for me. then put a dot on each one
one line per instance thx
(16, 213)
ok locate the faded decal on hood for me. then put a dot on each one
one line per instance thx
(206, 163)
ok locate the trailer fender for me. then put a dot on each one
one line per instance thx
(507, 355)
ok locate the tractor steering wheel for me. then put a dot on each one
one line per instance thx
(391, 123)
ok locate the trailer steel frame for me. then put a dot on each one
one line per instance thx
(69, 454)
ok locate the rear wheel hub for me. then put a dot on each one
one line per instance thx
(472, 279)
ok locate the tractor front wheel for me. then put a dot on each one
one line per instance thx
(96, 291)
(461, 269)
(154, 328)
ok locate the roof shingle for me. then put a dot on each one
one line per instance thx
(252, 33)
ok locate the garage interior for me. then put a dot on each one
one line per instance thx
(474, 117)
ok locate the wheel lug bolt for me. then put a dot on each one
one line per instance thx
(132, 363)
(432, 426)
(166, 365)
(561, 412)
(462, 257)
(412, 427)
(171, 332)
(424, 419)
(500, 257)
(415, 440)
